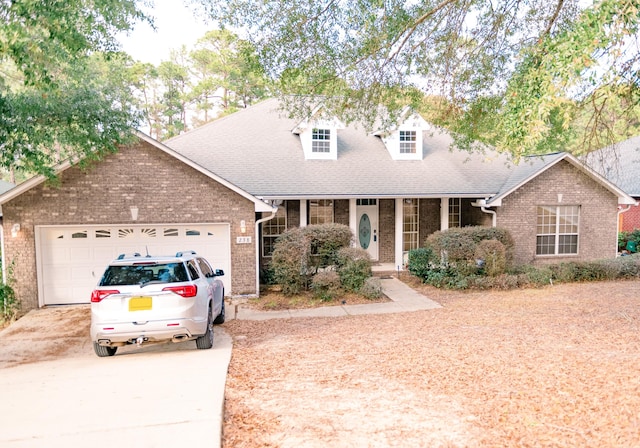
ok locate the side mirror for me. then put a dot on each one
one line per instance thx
(218, 273)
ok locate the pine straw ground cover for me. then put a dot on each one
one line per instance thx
(557, 366)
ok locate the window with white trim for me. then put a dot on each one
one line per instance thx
(455, 212)
(407, 142)
(271, 230)
(410, 225)
(321, 140)
(557, 230)
(321, 211)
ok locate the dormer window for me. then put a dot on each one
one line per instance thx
(404, 140)
(319, 137)
(321, 140)
(407, 142)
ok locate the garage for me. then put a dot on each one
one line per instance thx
(71, 259)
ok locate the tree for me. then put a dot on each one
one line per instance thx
(174, 75)
(519, 75)
(229, 76)
(58, 97)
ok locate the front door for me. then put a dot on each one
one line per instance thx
(367, 226)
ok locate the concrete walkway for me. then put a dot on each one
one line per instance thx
(403, 299)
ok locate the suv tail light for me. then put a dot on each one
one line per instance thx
(98, 294)
(184, 291)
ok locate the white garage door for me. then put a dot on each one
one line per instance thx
(71, 259)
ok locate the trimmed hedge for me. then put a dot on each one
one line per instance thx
(459, 244)
(627, 267)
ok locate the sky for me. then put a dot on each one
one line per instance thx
(175, 26)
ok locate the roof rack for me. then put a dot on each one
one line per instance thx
(121, 256)
(186, 252)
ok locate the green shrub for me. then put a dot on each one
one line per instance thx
(325, 285)
(354, 267)
(300, 252)
(493, 255)
(627, 267)
(372, 288)
(534, 275)
(459, 243)
(326, 240)
(421, 261)
(9, 304)
(290, 261)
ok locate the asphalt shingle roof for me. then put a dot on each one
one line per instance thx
(620, 164)
(256, 150)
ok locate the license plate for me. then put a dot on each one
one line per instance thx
(140, 303)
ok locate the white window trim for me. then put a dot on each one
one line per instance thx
(557, 233)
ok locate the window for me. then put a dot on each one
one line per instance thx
(170, 232)
(321, 140)
(407, 142)
(193, 270)
(557, 230)
(321, 211)
(410, 225)
(454, 212)
(271, 230)
(205, 268)
(366, 202)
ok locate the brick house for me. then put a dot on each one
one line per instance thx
(229, 188)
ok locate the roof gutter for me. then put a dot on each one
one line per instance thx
(274, 210)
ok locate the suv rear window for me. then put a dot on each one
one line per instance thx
(144, 273)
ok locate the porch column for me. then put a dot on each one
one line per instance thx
(399, 263)
(444, 213)
(353, 220)
(303, 213)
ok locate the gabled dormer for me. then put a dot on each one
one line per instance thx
(404, 141)
(319, 136)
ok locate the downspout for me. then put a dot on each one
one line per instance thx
(258, 222)
(483, 206)
(620, 211)
(492, 213)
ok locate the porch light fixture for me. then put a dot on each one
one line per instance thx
(15, 229)
(134, 213)
(243, 226)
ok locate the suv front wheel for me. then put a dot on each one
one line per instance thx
(206, 340)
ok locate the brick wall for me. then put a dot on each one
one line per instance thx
(429, 215)
(164, 189)
(387, 226)
(598, 214)
(630, 220)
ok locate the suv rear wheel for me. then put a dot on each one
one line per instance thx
(206, 340)
(103, 351)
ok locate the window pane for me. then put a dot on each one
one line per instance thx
(321, 211)
(568, 244)
(545, 245)
(407, 142)
(454, 212)
(321, 140)
(410, 224)
(271, 230)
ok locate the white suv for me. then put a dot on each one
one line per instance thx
(144, 299)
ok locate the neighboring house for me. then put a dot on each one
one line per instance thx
(620, 164)
(230, 188)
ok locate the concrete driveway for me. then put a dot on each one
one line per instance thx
(155, 396)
